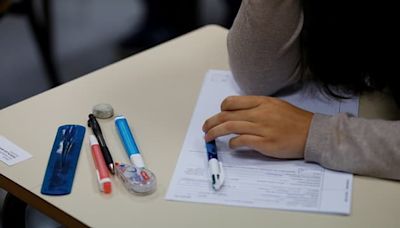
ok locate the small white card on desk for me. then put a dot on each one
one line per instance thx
(10, 153)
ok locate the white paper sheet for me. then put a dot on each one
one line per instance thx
(10, 153)
(254, 180)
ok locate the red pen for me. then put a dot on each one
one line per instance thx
(103, 177)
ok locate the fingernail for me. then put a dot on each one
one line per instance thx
(206, 138)
(203, 128)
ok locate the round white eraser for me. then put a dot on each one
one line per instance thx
(103, 111)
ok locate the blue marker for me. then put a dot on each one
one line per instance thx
(129, 142)
(137, 178)
(214, 165)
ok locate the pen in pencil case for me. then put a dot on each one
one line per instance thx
(65, 145)
(63, 160)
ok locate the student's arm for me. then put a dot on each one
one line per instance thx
(263, 45)
(264, 55)
(276, 128)
(356, 145)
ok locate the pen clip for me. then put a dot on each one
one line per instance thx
(221, 178)
(217, 176)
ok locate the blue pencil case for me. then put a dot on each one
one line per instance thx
(63, 160)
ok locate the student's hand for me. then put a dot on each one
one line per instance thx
(266, 124)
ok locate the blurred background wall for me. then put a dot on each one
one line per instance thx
(89, 34)
(44, 43)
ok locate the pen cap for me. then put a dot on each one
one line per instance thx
(104, 183)
(107, 187)
(93, 140)
(126, 135)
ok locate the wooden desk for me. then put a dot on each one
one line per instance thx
(156, 90)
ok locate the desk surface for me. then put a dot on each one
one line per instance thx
(156, 90)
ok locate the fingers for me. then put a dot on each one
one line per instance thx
(232, 103)
(266, 145)
(236, 108)
(223, 117)
(268, 125)
(251, 141)
(231, 127)
(262, 144)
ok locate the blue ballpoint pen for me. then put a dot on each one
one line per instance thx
(214, 165)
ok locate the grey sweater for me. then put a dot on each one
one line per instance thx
(264, 56)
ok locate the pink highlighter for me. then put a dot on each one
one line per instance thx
(103, 176)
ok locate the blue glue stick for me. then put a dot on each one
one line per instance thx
(129, 142)
(137, 178)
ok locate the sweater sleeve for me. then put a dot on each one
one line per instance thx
(362, 146)
(263, 45)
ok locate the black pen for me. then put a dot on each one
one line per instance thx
(92, 123)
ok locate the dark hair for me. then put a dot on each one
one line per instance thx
(350, 46)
